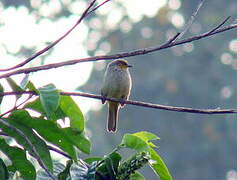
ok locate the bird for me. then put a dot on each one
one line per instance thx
(117, 84)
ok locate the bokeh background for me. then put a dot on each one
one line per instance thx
(201, 74)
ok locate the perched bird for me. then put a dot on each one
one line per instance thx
(117, 84)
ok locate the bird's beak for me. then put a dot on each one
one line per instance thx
(129, 65)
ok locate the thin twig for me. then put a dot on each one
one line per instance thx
(59, 152)
(94, 9)
(16, 106)
(84, 14)
(217, 27)
(139, 103)
(123, 54)
(170, 41)
(191, 20)
(3, 134)
(36, 155)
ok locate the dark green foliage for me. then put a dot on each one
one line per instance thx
(4, 174)
(131, 165)
(66, 172)
(51, 106)
(82, 171)
(1, 91)
(36, 141)
(19, 161)
(14, 86)
(38, 132)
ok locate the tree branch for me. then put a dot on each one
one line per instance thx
(217, 27)
(59, 152)
(138, 103)
(168, 44)
(94, 9)
(17, 106)
(35, 153)
(191, 20)
(84, 14)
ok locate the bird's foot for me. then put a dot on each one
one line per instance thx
(103, 99)
(122, 102)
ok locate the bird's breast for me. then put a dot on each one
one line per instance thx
(117, 83)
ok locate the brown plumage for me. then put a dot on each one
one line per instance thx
(117, 84)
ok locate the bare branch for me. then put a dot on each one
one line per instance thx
(36, 155)
(17, 106)
(59, 152)
(138, 103)
(84, 14)
(191, 20)
(94, 9)
(155, 106)
(3, 133)
(217, 27)
(171, 40)
(137, 52)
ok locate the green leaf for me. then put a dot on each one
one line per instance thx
(32, 87)
(3, 170)
(132, 164)
(73, 112)
(147, 137)
(159, 166)
(67, 108)
(14, 86)
(52, 133)
(109, 165)
(49, 97)
(115, 159)
(19, 160)
(37, 106)
(134, 142)
(1, 91)
(112, 163)
(66, 172)
(78, 139)
(82, 171)
(92, 159)
(141, 142)
(137, 176)
(40, 146)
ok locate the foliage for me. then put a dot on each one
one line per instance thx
(44, 129)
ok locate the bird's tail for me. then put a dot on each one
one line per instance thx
(112, 116)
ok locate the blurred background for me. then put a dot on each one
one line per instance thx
(201, 74)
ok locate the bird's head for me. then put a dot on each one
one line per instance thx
(120, 63)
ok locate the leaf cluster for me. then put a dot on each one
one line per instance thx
(37, 120)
